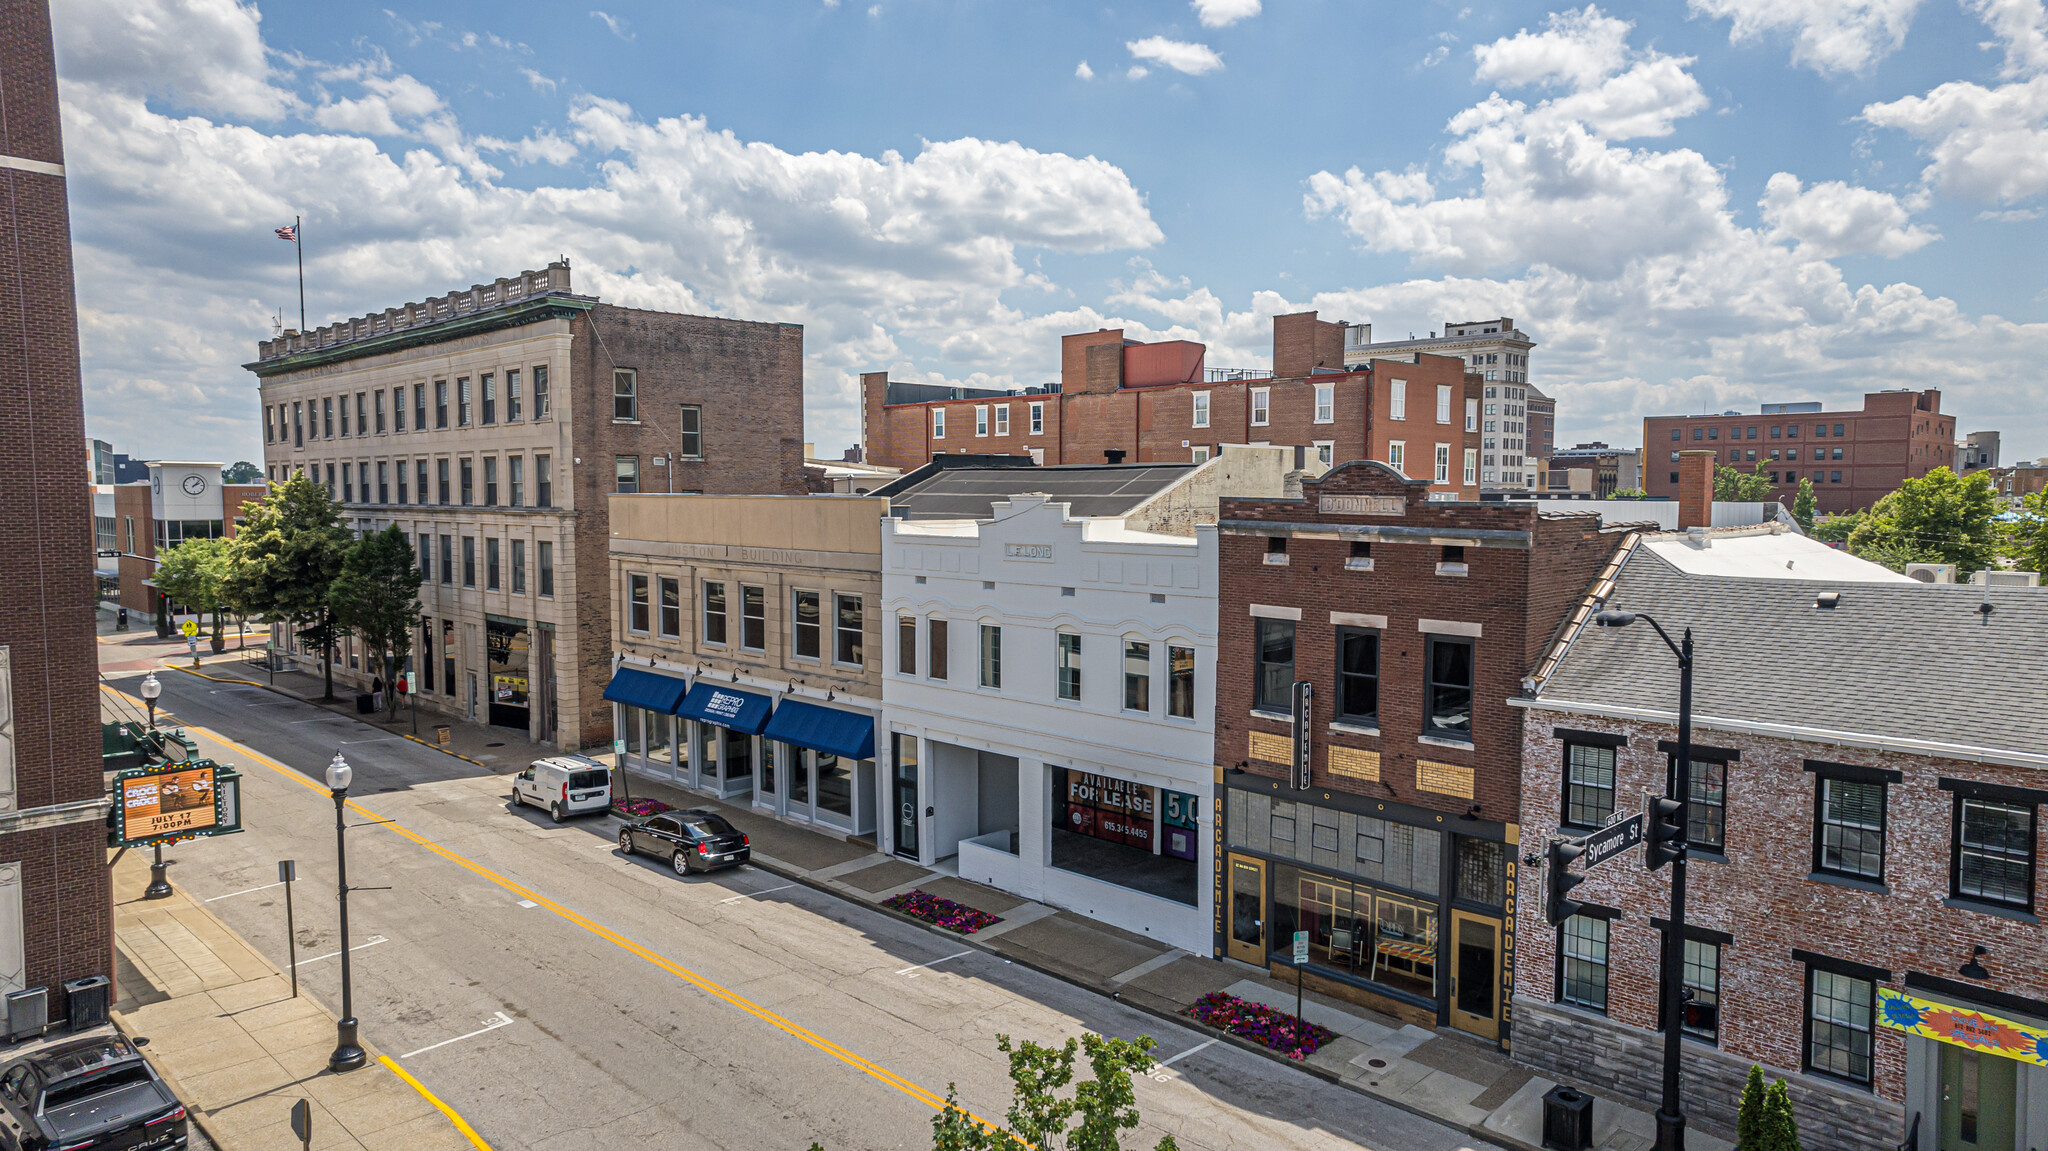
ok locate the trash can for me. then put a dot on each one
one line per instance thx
(88, 1001)
(366, 704)
(1567, 1119)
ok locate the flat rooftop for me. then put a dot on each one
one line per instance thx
(971, 493)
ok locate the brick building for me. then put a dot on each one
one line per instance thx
(179, 501)
(1523, 425)
(1413, 621)
(491, 424)
(1865, 846)
(1159, 403)
(1853, 458)
(55, 900)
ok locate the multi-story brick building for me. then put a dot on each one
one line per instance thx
(178, 502)
(1853, 458)
(491, 424)
(55, 901)
(1119, 399)
(1520, 423)
(1384, 822)
(1613, 469)
(1863, 878)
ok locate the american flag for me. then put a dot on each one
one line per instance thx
(288, 232)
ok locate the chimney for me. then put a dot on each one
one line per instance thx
(1695, 489)
(1113, 455)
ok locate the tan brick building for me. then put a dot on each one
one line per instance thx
(491, 424)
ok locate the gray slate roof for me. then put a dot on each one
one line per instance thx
(1092, 489)
(1894, 661)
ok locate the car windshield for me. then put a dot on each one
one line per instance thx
(708, 826)
(64, 1094)
(580, 780)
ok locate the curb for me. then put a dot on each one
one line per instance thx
(445, 751)
(200, 1118)
(316, 703)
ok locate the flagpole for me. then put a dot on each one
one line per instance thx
(299, 246)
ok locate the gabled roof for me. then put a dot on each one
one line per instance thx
(970, 493)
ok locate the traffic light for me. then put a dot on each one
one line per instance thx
(1557, 874)
(1665, 840)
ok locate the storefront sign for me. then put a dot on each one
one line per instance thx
(1178, 813)
(1304, 748)
(1976, 1030)
(167, 802)
(1361, 505)
(1108, 808)
(1027, 551)
(724, 705)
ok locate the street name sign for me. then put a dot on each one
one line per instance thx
(1613, 839)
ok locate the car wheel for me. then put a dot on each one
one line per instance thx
(680, 862)
(557, 814)
(625, 842)
(518, 800)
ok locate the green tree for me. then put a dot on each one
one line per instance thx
(1781, 1128)
(1630, 494)
(195, 574)
(1040, 1117)
(1737, 486)
(1938, 518)
(1749, 1117)
(1837, 529)
(377, 597)
(2028, 542)
(241, 472)
(1803, 505)
(287, 554)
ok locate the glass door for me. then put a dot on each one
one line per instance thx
(1247, 910)
(1979, 1098)
(906, 809)
(1475, 974)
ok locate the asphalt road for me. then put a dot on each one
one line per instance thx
(559, 995)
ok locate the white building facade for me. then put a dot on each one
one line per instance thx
(1048, 694)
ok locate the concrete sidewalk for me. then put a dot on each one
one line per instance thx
(234, 1044)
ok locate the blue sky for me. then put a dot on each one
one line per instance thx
(1692, 205)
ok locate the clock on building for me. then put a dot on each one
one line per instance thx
(195, 484)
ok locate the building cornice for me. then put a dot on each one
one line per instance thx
(552, 307)
(55, 815)
(1390, 533)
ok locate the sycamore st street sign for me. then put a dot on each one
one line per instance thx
(1612, 840)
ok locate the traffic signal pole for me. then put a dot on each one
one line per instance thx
(1670, 1115)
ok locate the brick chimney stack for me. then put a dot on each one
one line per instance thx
(1695, 489)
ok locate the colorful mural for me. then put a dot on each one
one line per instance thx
(1973, 1029)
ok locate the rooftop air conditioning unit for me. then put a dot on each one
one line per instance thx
(2006, 579)
(1932, 573)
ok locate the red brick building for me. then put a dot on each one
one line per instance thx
(1413, 622)
(55, 902)
(1159, 403)
(1865, 847)
(1853, 458)
(146, 524)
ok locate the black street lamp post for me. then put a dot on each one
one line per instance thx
(348, 1054)
(1670, 1112)
(159, 871)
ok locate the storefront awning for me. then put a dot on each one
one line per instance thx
(742, 711)
(637, 688)
(848, 734)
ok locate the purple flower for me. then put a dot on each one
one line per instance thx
(1285, 1034)
(942, 912)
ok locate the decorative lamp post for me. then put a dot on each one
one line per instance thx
(159, 871)
(348, 1054)
(151, 691)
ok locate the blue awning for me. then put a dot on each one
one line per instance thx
(638, 688)
(726, 707)
(849, 734)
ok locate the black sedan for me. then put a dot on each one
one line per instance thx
(695, 840)
(90, 1094)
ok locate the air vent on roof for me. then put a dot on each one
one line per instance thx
(2006, 579)
(1827, 600)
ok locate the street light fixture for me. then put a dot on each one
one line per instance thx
(348, 1054)
(159, 873)
(151, 690)
(1670, 1113)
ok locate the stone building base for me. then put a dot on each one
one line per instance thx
(1627, 1063)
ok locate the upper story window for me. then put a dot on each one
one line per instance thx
(1137, 675)
(1002, 419)
(327, 417)
(1358, 676)
(805, 626)
(625, 394)
(1038, 418)
(543, 482)
(1262, 407)
(1326, 403)
(513, 398)
(344, 416)
(1588, 783)
(1397, 455)
(1200, 417)
(714, 612)
(1449, 689)
(1443, 463)
(1067, 666)
(846, 630)
(636, 601)
(1839, 1008)
(991, 656)
(269, 435)
(1443, 403)
(380, 411)
(298, 427)
(627, 471)
(753, 618)
(1706, 809)
(938, 423)
(463, 402)
(935, 644)
(467, 471)
(440, 404)
(1180, 681)
(691, 445)
(981, 419)
(540, 391)
(1273, 677)
(1992, 847)
(489, 383)
(671, 607)
(1397, 399)
(1849, 820)
(1472, 416)
(906, 645)
(1582, 962)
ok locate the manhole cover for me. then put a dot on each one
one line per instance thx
(1375, 1063)
(494, 745)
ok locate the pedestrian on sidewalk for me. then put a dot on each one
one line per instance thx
(377, 693)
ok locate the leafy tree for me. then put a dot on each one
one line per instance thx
(1781, 1128)
(1836, 529)
(1939, 518)
(1749, 1117)
(1040, 1117)
(1737, 486)
(1803, 505)
(2028, 542)
(1630, 494)
(377, 597)
(195, 573)
(241, 472)
(287, 553)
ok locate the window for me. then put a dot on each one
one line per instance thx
(1326, 452)
(1582, 962)
(463, 402)
(1262, 406)
(426, 557)
(380, 411)
(1443, 463)
(627, 470)
(1200, 455)
(348, 487)
(468, 561)
(1993, 850)
(403, 469)
(692, 441)
(906, 644)
(515, 476)
(327, 417)
(540, 391)
(1706, 812)
(1834, 477)
(1835, 453)
(1200, 418)
(491, 563)
(1326, 403)
(804, 636)
(935, 639)
(441, 479)
(1450, 687)
(423, 481)
(981, 419)
(344, 416)
(991, 656)
(1443, 403)
(298, 428)
(1791, 431)
(1180, 682)
(636, 600)
(1273, 685)
(1397, 455)
(1701, 980)
(938, 423)
(714, 612)
(330, 479)
(1848, 832)
(490, 481)
(1038, 419)
(1471, 466)
(1838, 1016)
(1002, 419)
(543, 480)
(384, 482)
(490, 390)
(1067, 666)
(1713, 433)
(753, 618)
(419, 407)
(440, 403)
(466, 467)
(544, 559)
(1588, 784)
(625, 400)
(518, 566)
(1358, 677)
(1137, 675)
(512, 396)
(846, 630)
(1838, 431)
(1472, 416)
(448, 559)
(269, 424)
(1397, 399)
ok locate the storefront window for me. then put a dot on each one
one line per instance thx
(739, 757)
(1482, 870)
(510, 662)
(835, 785)
(1357, 929)
(1110, 829)
(799, 779)
(767, 767)
(629, 728)
(1379, 851)
(659, 739)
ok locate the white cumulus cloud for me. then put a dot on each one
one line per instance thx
(1987, 143)
(1084, 71)
(1179, 55)
(1828, 36)
(1223, 13)
(1836, 219)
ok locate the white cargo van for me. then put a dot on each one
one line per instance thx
(564, 784)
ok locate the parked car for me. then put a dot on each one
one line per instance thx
(564, 784)
(695, 840)
(93, 1094)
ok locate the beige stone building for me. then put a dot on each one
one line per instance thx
(490, 425)
(748, 634)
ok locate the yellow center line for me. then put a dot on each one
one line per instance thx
(461, 1124)
(710, 988)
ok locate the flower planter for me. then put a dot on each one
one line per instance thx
(941, 912)
(1273, 1030)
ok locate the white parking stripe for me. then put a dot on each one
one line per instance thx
(374, 941)
(752, 894)
(502, 1020)
(244, 891)
(1184, 1054)
(933, 963)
